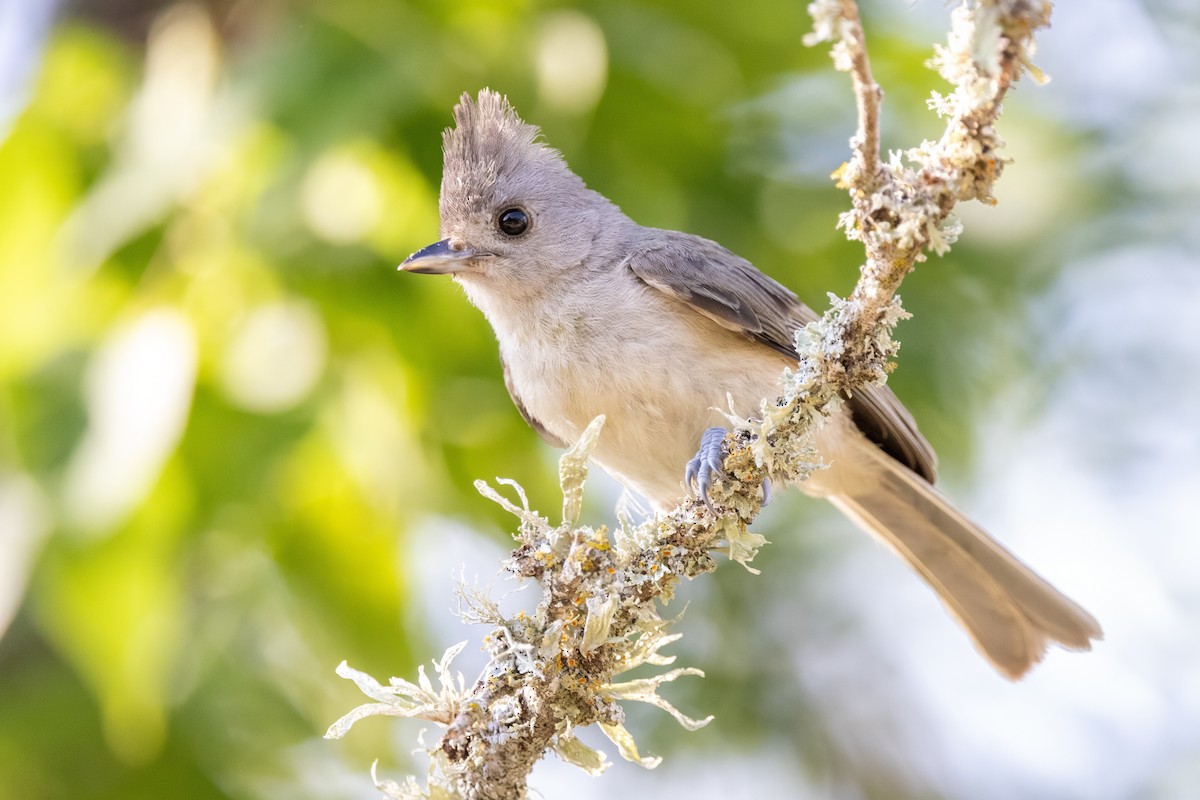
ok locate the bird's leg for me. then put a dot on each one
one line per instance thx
(706, 464)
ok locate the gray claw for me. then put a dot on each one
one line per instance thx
(766, 487)
(706, 464)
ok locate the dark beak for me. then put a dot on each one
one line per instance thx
(438, 258)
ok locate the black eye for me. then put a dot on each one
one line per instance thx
(512, 222)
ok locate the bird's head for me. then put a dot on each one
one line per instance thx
(514, 217)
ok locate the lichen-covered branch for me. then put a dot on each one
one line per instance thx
(838, 21)
(558, 668)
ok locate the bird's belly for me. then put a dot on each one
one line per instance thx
(657, 398)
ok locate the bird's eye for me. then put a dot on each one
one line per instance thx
(512, 222)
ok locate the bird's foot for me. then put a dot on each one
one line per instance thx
(706, 465)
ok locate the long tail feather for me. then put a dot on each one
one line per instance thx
(1010, 612)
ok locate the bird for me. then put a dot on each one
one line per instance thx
(656, 329)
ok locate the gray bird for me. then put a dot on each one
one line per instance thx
(596, 314)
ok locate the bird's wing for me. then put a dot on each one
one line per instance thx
(529, 418)
(733, 293)
(884, 420)
(722, 286)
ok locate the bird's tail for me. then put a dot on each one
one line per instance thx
(1010, 612)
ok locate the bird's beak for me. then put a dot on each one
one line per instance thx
(439, 258)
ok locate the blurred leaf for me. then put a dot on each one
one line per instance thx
(115, 608)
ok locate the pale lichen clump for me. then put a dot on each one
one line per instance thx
(831, 23)
(555, 670)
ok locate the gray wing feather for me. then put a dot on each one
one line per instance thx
(529, 418)
(884, 420)
(733, 293)
(723, 287)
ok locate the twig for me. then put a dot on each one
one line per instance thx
(868, 97)
(554, 670)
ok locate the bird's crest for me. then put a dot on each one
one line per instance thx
(488, 144)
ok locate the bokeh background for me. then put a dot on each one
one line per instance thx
(237, 447)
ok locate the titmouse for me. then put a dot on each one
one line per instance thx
(596, 314)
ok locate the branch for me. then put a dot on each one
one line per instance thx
(850, 55)
(555, 670)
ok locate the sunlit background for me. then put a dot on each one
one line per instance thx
(237, 447)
